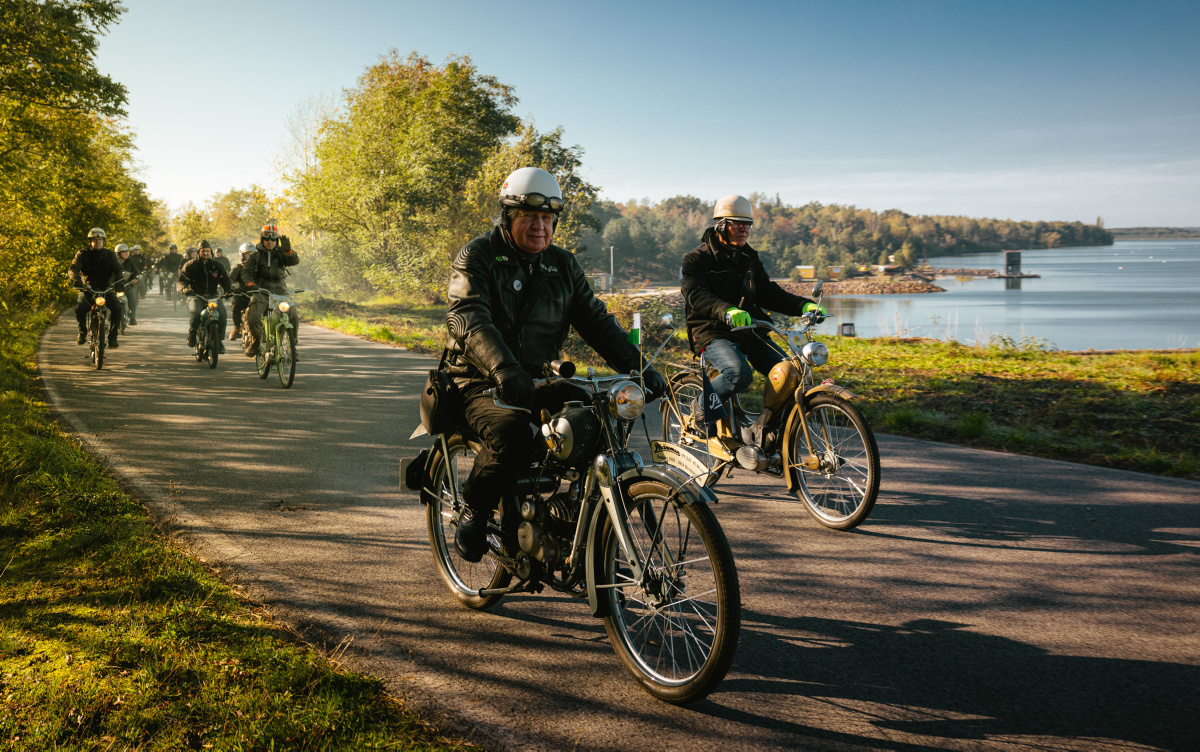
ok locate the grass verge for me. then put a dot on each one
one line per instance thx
(1134, 410)
(111, 637)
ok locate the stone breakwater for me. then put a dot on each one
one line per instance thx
(867, 286)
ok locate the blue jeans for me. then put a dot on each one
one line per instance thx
(730, 358)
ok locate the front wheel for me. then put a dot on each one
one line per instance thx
(214, 349)
(840, 482)
(285, 358)
(99, 339)
(462, 578)
(677, 629)
(261, 361)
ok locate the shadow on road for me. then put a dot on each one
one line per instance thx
(953, 683)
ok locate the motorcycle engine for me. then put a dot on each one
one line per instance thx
(571, 435)
(546, 529)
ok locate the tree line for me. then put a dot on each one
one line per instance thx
(648, 240)
(66, 158)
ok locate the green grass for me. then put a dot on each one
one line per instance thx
(1135, 411)
(113, 638)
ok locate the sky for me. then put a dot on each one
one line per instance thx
(1056, 110)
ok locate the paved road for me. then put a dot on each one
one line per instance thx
(991, 601)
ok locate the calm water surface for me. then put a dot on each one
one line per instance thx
(1131, 295)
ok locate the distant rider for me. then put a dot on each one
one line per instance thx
(143, 265)
(201, 277)
(513, 298)
(98, 268)
(724, 286)
(266, 269)
(219, 257)
(170, 264)
(132, 271)
(240, 302)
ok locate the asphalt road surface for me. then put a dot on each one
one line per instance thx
(991, 601)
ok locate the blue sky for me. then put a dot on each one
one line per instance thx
(1022, 110)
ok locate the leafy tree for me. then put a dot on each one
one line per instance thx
(65, 160)
(391, 164)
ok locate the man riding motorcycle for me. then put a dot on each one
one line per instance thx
(98, 268)
(170, 264)
(143, 265)
(724, 286)
(265, 269)
(240, 303)
(513, 298)
(201, 277)
(132, 271)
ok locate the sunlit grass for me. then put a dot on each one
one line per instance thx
(112, 638)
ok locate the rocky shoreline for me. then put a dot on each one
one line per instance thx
(866, 286)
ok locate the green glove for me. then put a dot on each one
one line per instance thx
(811, 306)
(737, 317)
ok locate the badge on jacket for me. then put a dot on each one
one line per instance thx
(517, 285)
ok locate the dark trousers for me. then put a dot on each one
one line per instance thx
(507, 437)
(84, 304)
(240, 304)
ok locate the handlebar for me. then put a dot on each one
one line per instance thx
(812, 318)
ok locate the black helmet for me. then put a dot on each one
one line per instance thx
(204, 244)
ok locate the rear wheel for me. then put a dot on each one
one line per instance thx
(840, 491)
(462, 578)
(285, 363)
(676, 631)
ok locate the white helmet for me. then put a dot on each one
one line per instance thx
(734, 207)
(245, 248)
(532, 188)
(96, 232)
(137, 247)
(122, 248)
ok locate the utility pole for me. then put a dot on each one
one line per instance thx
(611, 270)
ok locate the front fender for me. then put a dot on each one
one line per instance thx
(689, 493)
(802, 397)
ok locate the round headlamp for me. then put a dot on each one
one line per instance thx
(284, 306)
(626, 400)
(101, 301)
(815, 353)
(212, 305)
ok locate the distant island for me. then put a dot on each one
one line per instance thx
(1154, 233)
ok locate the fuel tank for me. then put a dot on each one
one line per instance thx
(781, 385)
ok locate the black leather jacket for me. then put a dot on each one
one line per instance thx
(99, 268)
(267, 269)
(500, 316)
(202, 277)
(716, 278)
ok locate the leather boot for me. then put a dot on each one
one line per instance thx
(471, 537)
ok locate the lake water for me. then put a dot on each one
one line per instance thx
(1135, 294)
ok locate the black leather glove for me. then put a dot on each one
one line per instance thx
(656, 385)
(285, 245)
(516, 386)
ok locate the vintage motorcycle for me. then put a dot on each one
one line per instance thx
(590, 519)
(813, 438)
(98, 325)
(277, 347)
(208, 333)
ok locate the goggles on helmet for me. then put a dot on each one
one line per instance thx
(534, 201)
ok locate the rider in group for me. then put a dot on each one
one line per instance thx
(170, 263)
(265, 269)
(201, 277)
(132, 271)
(240, 303)
(724, 286)
(513, 298)
(98, 268)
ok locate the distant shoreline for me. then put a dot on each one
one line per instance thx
(1155, 233)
